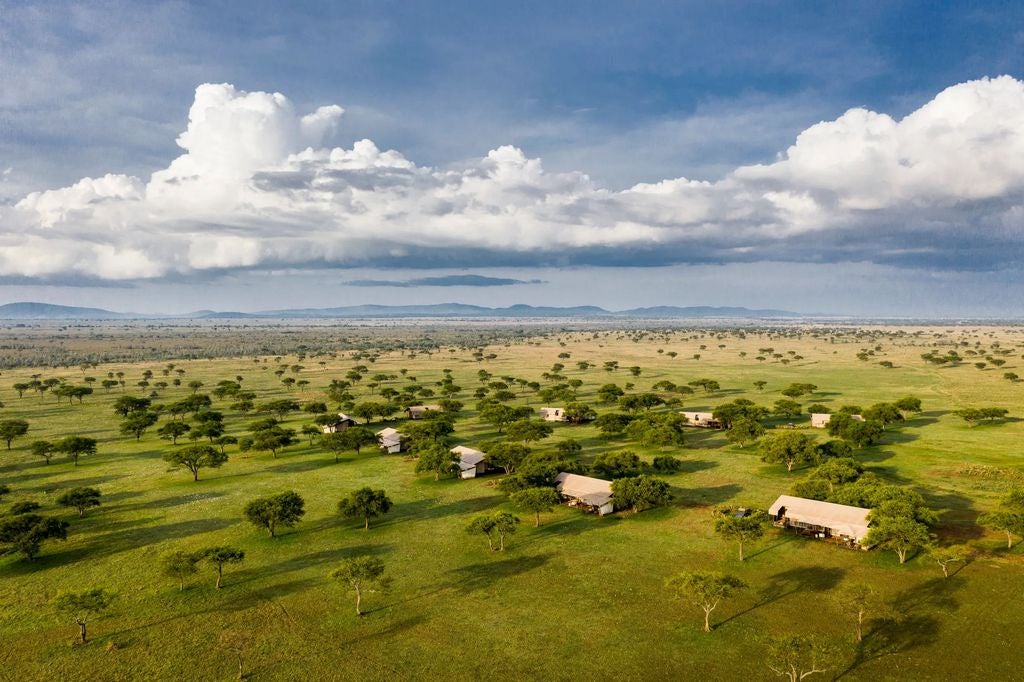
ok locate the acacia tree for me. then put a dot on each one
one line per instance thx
(360, 574)
(83, 607)
(80, 498)
(500, 524)
(705, 589)
(640, 492)
(535, 501)
(789, 448)
(365, 503)
(857, 599)
(196, 457)
(173, 430)
(44, 449)
(952, 554)
(901, 534)
(219, 556)
(281, 510)
(797, 657)
(136, 423)
(741, 529)
(744, 430)
(25, 533)
(11, 429)
(180, 565)
(1009, 517)
(435, 459)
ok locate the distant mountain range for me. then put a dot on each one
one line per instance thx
(47, 311)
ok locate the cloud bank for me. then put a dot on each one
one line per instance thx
(943, 187)
(443, 281)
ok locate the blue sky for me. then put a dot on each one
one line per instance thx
(603, 95)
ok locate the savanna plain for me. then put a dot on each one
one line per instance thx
(580, 596)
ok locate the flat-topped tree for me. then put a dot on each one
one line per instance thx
(11, 429)
(180, 565)
(283, 510)
(196, 457)
(44, 449)
(705, 589)
(25, 533)
(788, 447)
(360, 574)
(82, 607)
(81, 498)
(535, 501)
(365, 503)
(76, 446)
(173, 430)
(218, 557)
(741, 529)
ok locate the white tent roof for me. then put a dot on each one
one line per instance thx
(849, 521)
(468, 457)
(389, 436)
(593, 491)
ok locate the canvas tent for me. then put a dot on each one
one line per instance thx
(340, 424)
(471, 462)
(594, 494)
(390, 440)
(821, 519)
(552, 414)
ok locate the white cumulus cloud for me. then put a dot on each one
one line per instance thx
(254, 187)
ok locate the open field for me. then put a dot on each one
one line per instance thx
(581, 597)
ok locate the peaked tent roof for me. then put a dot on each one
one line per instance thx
(593, 491)
(849, 521)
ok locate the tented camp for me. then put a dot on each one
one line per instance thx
(593, 494)
(822, 519)
(552, 414)
(820, 421)
(417, 411)
(471, 462)
(705, 420)
(390, 440)
(340, 424)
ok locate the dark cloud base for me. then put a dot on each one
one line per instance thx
(444, 281)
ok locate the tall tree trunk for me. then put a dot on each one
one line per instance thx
(741, 550)
(537, 523)
(707, 620)
(366, 523)
(902, 554)
(220, 574)
(1009, 539)
(359, 601)
(81, 631)
(860, 625)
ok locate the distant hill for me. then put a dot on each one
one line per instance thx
(48, 311)
(521, 310)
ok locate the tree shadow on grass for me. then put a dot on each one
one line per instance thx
(482, 575)
(116, 541)
(783, 539)
(692, 466)
(76, 483)
(324, 560)
(565, 527)
(703, 497)
(429, 509)
(914, 624)
(302, 465)
(163, 503)
(786, 583)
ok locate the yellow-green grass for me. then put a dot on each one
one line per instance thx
(580, 597)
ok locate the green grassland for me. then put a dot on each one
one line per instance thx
(581, 597)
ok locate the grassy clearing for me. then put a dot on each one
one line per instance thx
(579, 597)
